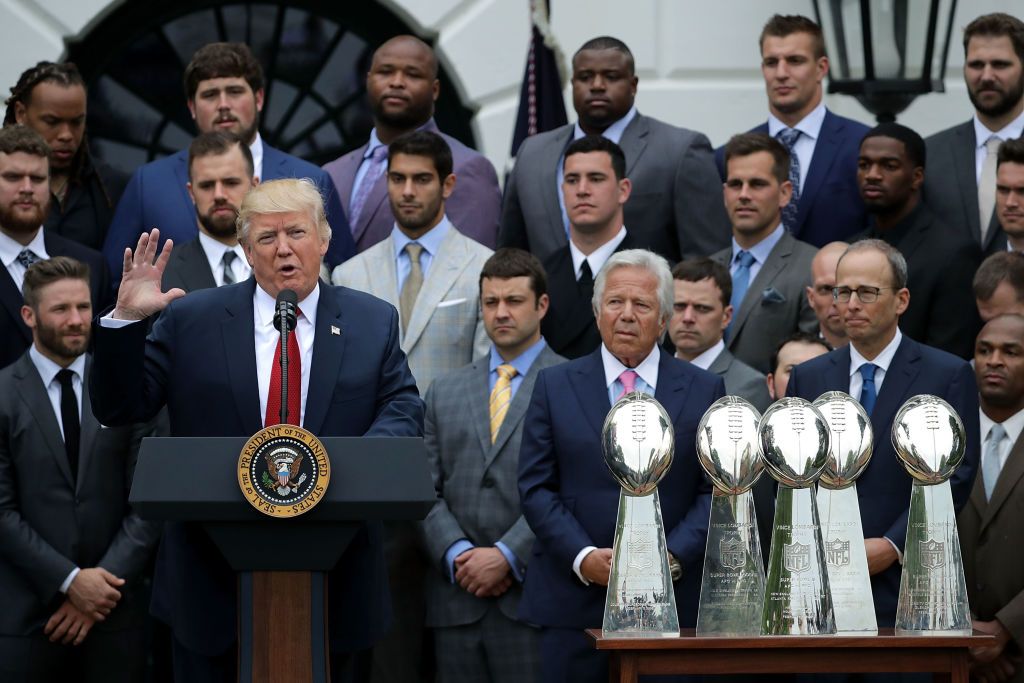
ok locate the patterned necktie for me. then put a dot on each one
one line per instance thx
(987, 186)
(411, 286)
(990, 465)
(628, 380)
(27, 257)
(740, 284)
(501, 397)
(373, 171)
(273, 416)
(788, 137)
(69, 418)
(868, 393)
(229, 276)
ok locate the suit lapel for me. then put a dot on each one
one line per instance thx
(376, 202)
(448, 263)
(345, 178)
(673, 385)
(195, 267)
(1010, 475)
(32, 391)
(838, 373)
(826, 149)
(328, 352)
(587, 381)
(547, 176)
(964, 170)
(634, 142)
(773, 265)
(240, 356)
(902, 371)
(520, 402)
(721, 364)
(478, 396)
(90, 426)
(12, 300)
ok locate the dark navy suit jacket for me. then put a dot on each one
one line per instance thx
(570, 498)
(830, 206)
(200, 361)
(884, 488)
(157, 197)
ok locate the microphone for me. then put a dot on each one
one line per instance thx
(284, 320)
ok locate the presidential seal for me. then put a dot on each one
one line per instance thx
(283, 471)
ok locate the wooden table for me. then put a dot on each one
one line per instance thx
(945, 656)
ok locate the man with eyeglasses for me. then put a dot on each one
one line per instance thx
(883, 368)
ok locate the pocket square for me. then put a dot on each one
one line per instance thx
(453, 302)
(772, 296)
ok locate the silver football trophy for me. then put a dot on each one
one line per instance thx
(638, 443)
(930, 441)
(851, 440)
(732, 588)
(795, 445)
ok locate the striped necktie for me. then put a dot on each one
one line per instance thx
(501, 397)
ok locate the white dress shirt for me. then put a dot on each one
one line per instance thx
(214, 251)
(9, 250)
(882, 361)
(1013, 426)
(256, 148)
(598, 257)
(1013, 130)
(810, 129)
(705, 359)
(431, 243)
(267, 338)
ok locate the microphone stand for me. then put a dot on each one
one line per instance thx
(284, 362)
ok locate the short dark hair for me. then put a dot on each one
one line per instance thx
(796, 337)
(1003, 266)
(782, 25)
(599, 143)
(697, 269)
(912, 142)
(46, 272)
(1011, 152)
(19, 138)
(745, 144)
(216, 143)
(607, 43)
(997, 24)
(222, 60)
(424, 143)
(510, 262)
(65, 74)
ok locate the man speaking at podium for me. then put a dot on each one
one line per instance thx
(210, 360)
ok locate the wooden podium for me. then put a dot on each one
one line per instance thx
(282, 601)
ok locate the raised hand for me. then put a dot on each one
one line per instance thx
(140, 295)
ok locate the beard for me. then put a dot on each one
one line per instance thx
(423, 218)
(218, 226)
(409, 118)
(53, 340)
(1005, 104)
(22, 222)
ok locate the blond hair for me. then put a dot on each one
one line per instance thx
(287, 195)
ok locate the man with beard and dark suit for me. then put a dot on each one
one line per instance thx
(210, 360)
(220, 174)
(883, 368)
(595, 188)
(24, 206)
(402, 86)
(71, 550)
(960, 179)
(890, 171)
(569, 496)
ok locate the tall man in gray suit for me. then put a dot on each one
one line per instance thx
(477, 539)
(960, 176)
(220, 172)
(429, 271)
(674, 208)
(71, 550)
(402, 86)
(770, 268)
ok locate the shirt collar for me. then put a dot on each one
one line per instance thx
(705, 359)
(1013, 425)
(809, 125)
(10, 248)
(647, 369)
(522, 363)
(257, 154)
(613, 132)
(48, 369)
(1013, 130)
(265, 306)
(882, 360)
(760, 250)
(214, 250)
(431, 241)
(598, 257)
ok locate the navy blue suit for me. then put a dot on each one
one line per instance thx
(884, 488)
(830, 207)
(200, 361)
(157, 197)
(570, 498)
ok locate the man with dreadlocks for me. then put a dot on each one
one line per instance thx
(50, 99)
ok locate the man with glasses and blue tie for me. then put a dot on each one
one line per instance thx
(883, 368)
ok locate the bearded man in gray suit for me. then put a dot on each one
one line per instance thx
(478, 541)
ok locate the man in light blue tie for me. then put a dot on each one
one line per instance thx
(883, 368)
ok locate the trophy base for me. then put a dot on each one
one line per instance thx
(933, 591)
(732, 588)
(641, 601)
(846, 561)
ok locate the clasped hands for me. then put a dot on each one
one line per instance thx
(91, 597)
(483, 572)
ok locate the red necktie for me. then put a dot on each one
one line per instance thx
(294, 383)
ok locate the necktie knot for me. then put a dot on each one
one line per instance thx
(996, 434)
(745, 259)
(788, 137)
(628, 380)
(501, 397)
(64, 378)
(413, 249)
(867, 371)
(991, 462)
(586, 274)
(27, 257)
(992, 145)
(227, 259)
(506, 371)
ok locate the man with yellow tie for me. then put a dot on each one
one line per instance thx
(477, 539)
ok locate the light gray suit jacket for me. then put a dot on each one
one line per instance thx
(675, 208)
(775, 305)
(476, 482)
(741, 380)
(446, 330)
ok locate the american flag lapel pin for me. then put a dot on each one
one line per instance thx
(335, 330)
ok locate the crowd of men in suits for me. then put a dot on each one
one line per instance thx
(810, 254)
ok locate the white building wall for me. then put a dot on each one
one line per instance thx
(697, 60)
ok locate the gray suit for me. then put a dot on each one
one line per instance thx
(478, 500)
(50, 523)
(951, 185)
(775, 305)
(741, 380)
(675, 208)
(188, 268)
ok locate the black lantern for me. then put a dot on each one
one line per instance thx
(886, 52)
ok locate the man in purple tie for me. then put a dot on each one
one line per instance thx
(570, 498)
